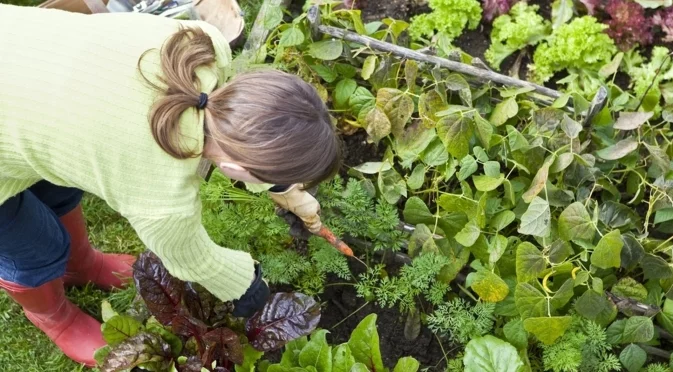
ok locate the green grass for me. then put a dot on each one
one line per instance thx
(22, 346)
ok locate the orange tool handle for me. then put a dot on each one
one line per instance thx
(328, 235)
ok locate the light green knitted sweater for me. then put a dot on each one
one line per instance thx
(74, 112)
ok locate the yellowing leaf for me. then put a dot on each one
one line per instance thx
(619, 150)
(539, 181)
(504, 111)
(608, 251)
(368, 67)
(490, 287)
(398, 107)
(377, 124)
(632, 120)
(547, 329)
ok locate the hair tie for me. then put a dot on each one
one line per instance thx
(203, 101)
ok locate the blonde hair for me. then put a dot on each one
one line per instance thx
(269, 122)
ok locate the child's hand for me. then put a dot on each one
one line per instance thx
(300, 210)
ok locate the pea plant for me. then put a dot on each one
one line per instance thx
(552, 221)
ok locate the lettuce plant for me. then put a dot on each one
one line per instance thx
(628, 25)
(514, 31)
(580, 46)
(448, 17)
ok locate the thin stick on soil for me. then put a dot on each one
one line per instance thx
(481, 74)
(350, 315)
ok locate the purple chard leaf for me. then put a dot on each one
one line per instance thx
(161, 291)
(146, 349)
(204, 306)
(193, 364)
(285, 317)
(222, 345)
(187, 326)
(495, 8)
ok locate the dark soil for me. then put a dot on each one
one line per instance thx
(356, 149)
(342, 302)
(376, 10)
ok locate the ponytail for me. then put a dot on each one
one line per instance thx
(181, 55)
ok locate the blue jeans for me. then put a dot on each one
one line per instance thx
(34, 245)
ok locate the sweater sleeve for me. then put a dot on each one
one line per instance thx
(186, 250)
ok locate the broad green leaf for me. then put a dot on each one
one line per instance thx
(504, 111)
(502, 220)
(632, 252)
(596, 307)
(120, 328)
(484, 130)
(459, 203)
(272, 17)
(368, 67)
(515, 139)
(629, 288)
(665, 316)
(250, 358)
(496, 248)
(632, 120)
(615, 331)
(663, 215)
(435, 154)
(516, 334)
(486, 183)
(416, 212)
(655, 267)
(619, 150)
(548, 119)
(327, 74)
(359, 367)
(561, 12)
(378, 125)
(492, 168)
(536, 220)
(327, 50)
(575, 223)
(418, 238)
(563, 294)
(607, 253)
(489, 286)
(612, 67)
(290, 356)
(655, 3)
(429, 104)
(417, 177)
(343, 92)
(397, 105)
(412, 144)
(637, 329)
(562, 162)
(633, 357)
(530, 301)
(346, 70)
(317, 353)
(539, 181)
(410, 72)
(373, 167)
(392, 186)
(547, 329)
(559, 251)
(343, 359)
(364, 344)
(455, 132)
(469, 234)
(291, 37)
(570, 127)
(407, 364)
(106, 311)
(616, 215)
(491, 354)
(529, 262)
(468, 165)
(360, 99)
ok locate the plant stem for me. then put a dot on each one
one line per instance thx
(350, 315)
